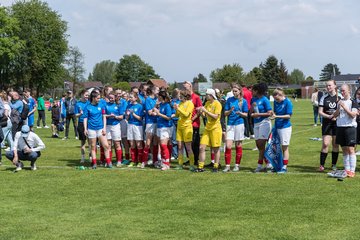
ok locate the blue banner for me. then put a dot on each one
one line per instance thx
(273, 151)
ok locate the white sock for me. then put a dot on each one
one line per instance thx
(213, 161)
(237, 165)
(352, 163)
(347, 162)
(259, 165)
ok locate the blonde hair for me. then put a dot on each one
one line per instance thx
(278, 91)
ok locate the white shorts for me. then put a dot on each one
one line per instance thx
(262, 129)
(235, 132)
(151, 128)
(113, 132)
(134, 132)
(285, 135)
(94, 133)
(123, 124)
(164, 133)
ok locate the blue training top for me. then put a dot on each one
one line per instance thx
(283, 108)
(136, 108)
(112, 108)
(165, 109)
(81, 106)
(234, 118)
(94, 115)
(31, 104)
(173, 101)
(263, 106)
(149, 105)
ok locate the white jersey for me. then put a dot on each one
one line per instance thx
(344, 119)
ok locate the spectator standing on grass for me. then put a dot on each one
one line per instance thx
(70, 103)
(95, 127)
(195, 121)
(184, 131)
(327, 107)
(282, 114)
(17, 106)
(55, 120)
(27, 147)
(260, 112)
(7, 129)
(32, 108)
(41, 111)
(79, 113)
(315, 104)
(212, 134)
(236, 109)
(345, 115)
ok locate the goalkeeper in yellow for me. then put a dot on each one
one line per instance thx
(184, 132)
(212, 134)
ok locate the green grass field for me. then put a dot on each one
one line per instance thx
(59, 202)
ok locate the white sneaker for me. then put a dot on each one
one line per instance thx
(142, 165)
(118, 164)
(259, 169)
(226, 169)
(252, 136)
(19, 166)
(165, 167)
(65, 138)
(38, 127)
(236, 169)
(46, 127)
(33, 167)
(76, 138)
(315, 125)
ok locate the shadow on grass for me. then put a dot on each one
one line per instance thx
(304, 169)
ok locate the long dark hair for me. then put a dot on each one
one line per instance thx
(94, 94)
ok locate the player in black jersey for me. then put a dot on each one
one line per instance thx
(327, 107)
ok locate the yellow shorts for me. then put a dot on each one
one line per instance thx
(211, 138)
(184, 135)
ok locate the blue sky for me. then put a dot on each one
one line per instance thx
(181, 38)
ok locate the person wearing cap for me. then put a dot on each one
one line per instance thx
(27, 147)
(212, 133)
(195, 120)
(70, 103)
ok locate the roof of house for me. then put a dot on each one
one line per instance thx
(135, 84)
(347, 77)
(160, 83)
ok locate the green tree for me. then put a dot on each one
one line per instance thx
(44, 35)
(228, 73)
(10, 46)
(309, 78)
(250, 79)
(284, 76)
(75, 66)
(200, 78)
(297, 76)
(125, 86)
(132, 69)
(270, 71)
(329, 71)
(104, 72)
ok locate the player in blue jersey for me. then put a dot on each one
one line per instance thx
(174, 100)
(122, 100)
(164, 128)
(236, 109)
(260, 112)
(134, 115)
(151, 102)
(282, 114)
(95, 127)
(114, 114)
(79, 113)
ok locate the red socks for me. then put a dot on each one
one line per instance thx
(238, 155)
(133, 152)
(164, 152)
(212, 156)
(119, 155)
(145, 154)
(102, 154)
(261, 161)
(140, 154)
(285, 162)
(227, 156)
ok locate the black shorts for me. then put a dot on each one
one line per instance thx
(328, 129)
(81, 133)
(346, 136)
(358, 134)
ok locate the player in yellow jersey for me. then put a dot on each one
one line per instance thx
(212, 134)
(184, 130)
